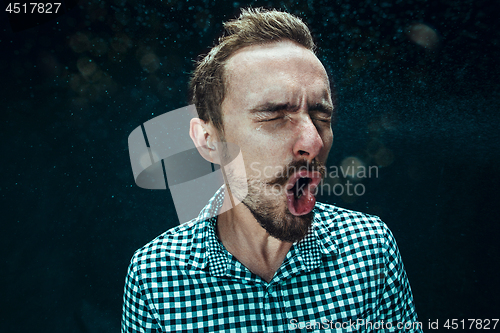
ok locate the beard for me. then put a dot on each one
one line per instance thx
(267, 201)
(273, 215)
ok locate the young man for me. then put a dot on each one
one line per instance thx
(278, 261)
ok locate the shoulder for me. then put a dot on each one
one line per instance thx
(172, 248)
(346, 225)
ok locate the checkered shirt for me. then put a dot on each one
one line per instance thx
(346, 275)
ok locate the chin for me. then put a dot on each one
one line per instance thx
(272, 211)
(279, 222)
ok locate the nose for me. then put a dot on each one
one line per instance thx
(309, 143)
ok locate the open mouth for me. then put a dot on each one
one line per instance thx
(300, 185)
(301, 192)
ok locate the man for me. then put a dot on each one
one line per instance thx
(278, 261)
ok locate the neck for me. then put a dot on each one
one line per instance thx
(242, 235)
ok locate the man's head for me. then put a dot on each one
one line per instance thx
(208, 85)
(275, 104)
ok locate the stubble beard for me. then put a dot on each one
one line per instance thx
(273, 215)
(269, 205)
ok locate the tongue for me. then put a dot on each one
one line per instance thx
(302, 205)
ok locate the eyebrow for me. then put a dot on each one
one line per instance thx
(273, 107)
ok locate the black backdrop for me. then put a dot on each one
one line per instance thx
(418, 91)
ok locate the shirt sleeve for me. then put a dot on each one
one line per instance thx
(396, 300)
(136, 316)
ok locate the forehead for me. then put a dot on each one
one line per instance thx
(281, 70)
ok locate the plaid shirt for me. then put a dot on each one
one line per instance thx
(346, 275)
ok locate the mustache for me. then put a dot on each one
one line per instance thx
(295, 166)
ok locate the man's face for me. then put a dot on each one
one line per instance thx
(278, 110)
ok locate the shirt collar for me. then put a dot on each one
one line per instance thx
(209, 253)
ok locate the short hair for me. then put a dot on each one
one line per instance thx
(254, 26)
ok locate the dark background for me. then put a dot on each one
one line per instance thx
(423, 107)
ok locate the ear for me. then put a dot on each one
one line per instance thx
(205, 139)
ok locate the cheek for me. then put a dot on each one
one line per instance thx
(259, 145)
(261, 159)
(328, 142)
(277, 151)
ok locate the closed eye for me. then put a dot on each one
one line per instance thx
(322, 120)
(326, 120)
(322, 112)
(276, 118)
(267, 116)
